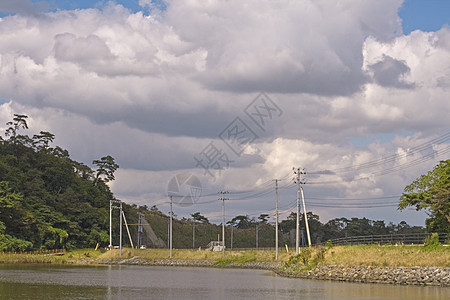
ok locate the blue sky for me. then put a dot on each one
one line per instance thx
(426, 15)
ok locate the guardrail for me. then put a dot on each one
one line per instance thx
(383, 239)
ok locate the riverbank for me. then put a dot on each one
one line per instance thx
(299, 267)
(405, 265)
(271, 266)
(425, 276)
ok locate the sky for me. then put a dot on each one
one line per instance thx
(196, 97)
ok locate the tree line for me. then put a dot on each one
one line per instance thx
(244, 229)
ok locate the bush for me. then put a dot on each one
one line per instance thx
(9, 243)
(432, 240)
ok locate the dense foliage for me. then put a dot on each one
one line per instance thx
(432, 192)
(48, 200)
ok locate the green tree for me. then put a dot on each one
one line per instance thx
(289, 223)
(106, 168)
(242, 222)
(19, 121)
(42, 140)
(432, 192)
(199, 218)
(48, 200)
(263, 218)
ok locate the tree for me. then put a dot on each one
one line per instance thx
(199, 218)
(289, 223)
(263, 218)
(106, 168)
(14, 125)
(431, 191)
(242, 222)
(47, 200)
(42, 140)
(19, 121)
(154, 209)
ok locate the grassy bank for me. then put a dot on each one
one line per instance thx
(370, 255)
(388, 256)
(183, 254)
(68, 257)
(362, 255)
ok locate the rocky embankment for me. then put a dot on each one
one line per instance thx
(192, 263)
(430, 276)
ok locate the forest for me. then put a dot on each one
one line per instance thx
(48, 200)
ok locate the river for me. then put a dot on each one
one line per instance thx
(143, 282)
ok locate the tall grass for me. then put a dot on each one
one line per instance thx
(183, 254)
(361, 255)
(392, 256)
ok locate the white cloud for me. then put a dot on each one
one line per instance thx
(307, 46)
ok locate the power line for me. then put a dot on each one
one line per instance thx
(348, 206)
(392, 158)
(353, 199)
(390, 170)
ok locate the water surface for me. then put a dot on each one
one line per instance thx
(144, 282)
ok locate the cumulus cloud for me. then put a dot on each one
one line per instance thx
(289, 47)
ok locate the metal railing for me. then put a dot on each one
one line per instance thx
(383, 239)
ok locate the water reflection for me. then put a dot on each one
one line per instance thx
(139, 282)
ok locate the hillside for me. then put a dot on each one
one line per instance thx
(48, 200)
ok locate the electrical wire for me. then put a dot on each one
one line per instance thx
(392, 158)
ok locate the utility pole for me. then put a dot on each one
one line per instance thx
(170, 227)
(140, 229)
(297, 180)
(128, 229)
(257, 227)
(110, 225)
(276, 219)
(223, 220)
(113, 205)
(306, 218)
(297, 223)
(193, 234)
(120, 231)
(232, 229)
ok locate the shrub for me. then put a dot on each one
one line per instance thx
(432, 240)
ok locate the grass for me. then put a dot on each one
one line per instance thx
(390, 256)
(370, 255)
(183, 254)
(362, 255)
(68, 257)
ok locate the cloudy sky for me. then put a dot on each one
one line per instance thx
(232, 94)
